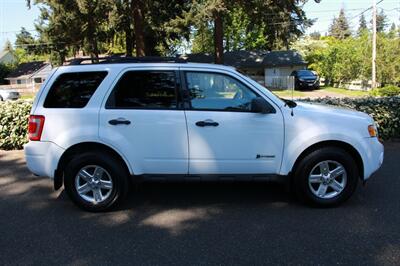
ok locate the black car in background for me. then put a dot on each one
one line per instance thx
(305, 80)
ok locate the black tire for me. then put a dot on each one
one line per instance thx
(1, 99)
(114, 168)
(307, 164)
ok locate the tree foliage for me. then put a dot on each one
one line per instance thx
(157, 27)
(341, 61)
(265, 25)
(102, 26)
(340, 28)
(362, 27)
(25, 40)
(5, 69)
(381, 21)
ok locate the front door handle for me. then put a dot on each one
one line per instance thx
(207, 123)
(119, 121)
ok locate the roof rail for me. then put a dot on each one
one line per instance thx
(118, 59)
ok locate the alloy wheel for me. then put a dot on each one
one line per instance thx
(93, 184)
(327, 179)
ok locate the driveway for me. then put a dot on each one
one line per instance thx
(192, 224)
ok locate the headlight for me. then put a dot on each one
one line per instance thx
(373, 131)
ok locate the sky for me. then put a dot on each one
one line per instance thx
(325, 11)
(14, 14)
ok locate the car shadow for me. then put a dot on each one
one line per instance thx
(205, 193)
(183, 195)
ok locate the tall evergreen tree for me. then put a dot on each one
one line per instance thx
(340, 28)
(154, 27)
(91, 25)
(392, 31)
(138, 22)
(381, 22)
(121, 21)
(316, 35)
(25, 40)
(279, 22)
(93, 13)
(362, 27)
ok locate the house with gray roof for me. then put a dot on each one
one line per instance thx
(270, 68)
(30, 74)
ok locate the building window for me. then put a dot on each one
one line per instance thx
(37, 80)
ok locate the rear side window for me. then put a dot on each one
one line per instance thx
(73, 90)
(144, 90)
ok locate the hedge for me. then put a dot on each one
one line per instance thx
(384, 110)
(14, 123)
(386, 91)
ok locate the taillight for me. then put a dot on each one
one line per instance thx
(35, 127)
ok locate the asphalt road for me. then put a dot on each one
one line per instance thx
(193, 224)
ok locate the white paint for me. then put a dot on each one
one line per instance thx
(158, 142)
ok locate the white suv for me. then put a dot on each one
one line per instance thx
(97, 127)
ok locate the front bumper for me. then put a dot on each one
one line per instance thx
(42, 157)
(307, 85)
(373, 157)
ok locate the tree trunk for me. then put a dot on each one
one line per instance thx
(218, 39)
(138, 25)
(128, 41)
(91, 36)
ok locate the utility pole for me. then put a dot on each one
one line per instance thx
(373, 85)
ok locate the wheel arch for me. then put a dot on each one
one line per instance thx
(80, 148)
(333, 143)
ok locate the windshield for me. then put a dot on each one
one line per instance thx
(305, 73)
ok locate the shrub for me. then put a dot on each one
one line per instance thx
(384, 110)
(14, 123)
(386, 91)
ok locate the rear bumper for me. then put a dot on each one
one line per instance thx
(373, 157)
(42, 157)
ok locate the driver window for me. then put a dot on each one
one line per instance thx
(213, 91)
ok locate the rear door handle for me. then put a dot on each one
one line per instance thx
(119, 121)
(207, 123)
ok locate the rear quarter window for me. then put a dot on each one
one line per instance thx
(73, 90)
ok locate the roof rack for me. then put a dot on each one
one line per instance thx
(118, 59)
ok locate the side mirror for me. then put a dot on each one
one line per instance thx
(260, 105)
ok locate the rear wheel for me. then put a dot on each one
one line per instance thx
(326, 177)
(95, 182)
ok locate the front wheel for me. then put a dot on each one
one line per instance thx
(95, 182)
(326, 177)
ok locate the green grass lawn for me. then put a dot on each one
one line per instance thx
(324, 91)
(27, 96)
(349, 93)
(288, 94)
